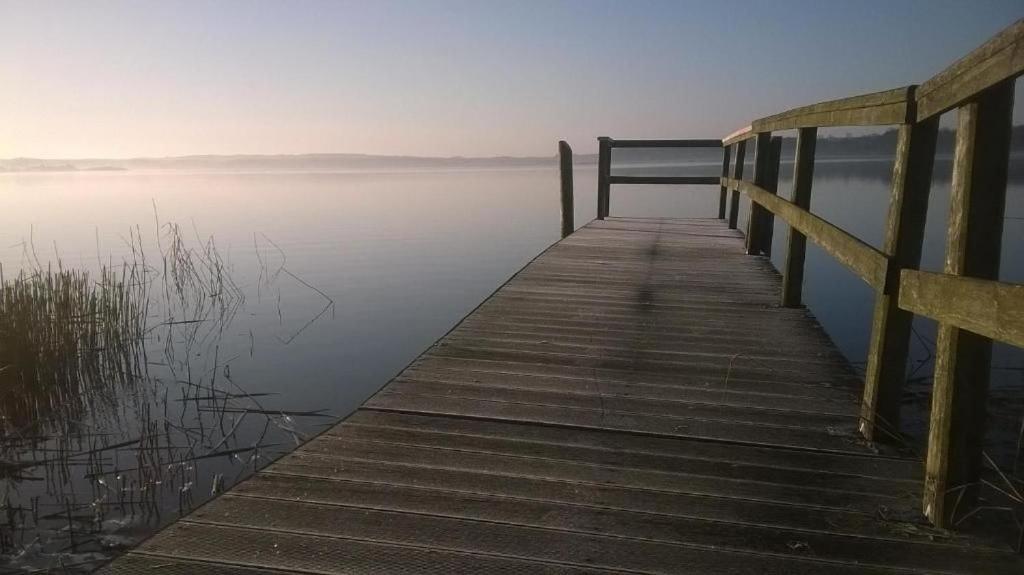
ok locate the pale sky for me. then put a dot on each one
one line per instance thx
(440, 78)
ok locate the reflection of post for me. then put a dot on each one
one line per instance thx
(604, 168)
(962, 358)
(565, 170)
(725, 174)
(803, 174)
(737, 174)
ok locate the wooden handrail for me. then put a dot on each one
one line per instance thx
(868, 263)
(690, 143)
(876, 109)
(993, 309)
(995, 61)
(664, 180)
(972, 308)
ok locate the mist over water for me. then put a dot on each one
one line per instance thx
(401, 255)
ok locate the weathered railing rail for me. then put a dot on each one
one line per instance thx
(971, 306)
(604, 166)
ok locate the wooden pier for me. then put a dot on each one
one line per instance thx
(648, 395)
(634, 400)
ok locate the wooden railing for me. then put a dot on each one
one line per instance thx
(971, 306)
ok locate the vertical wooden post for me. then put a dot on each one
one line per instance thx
(762, 172)
(737, 174)
(767, 224)
(725, 174)
(604, 169)
(565, 171)
(963, 359)
(904, 237)
(803, 175)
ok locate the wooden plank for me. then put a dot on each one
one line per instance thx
(629, 448)
(135, 563)
(762, 179)
(330, 554)
(868, 263)
(904, 238)
(963, 358)
(875, 109)
(737, 174)
(617, 523)
(605, 496)
(726, 155)
(989, 308)
(341, 449)
(327, 524)
(565, 177)
(665, 180)
(772, 185)
(689, 143)
(998, 60)
(604, 168)
(803, 176)
(738, 136)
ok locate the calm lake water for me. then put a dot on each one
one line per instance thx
(346, 277)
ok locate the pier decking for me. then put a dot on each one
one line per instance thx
(635, 400)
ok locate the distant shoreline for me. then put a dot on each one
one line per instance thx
(877, 145)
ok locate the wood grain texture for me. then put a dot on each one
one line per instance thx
(963, 358)
(999, 59)
(891, 326)
(868, 263)
(608, 410)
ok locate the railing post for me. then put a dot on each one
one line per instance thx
(962, 358)
(767, 224)
(762, 174)
(904, 236)
(725, 174)
(604, 168)
(565, 171)
(803, 175)
(737, 174)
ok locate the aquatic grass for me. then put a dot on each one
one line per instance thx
(67, 338)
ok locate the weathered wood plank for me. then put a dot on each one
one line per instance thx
(875, 109)
(601, 521)
(565, 177)
(604, 170)
(904, 238)
(803, 176)
(688, 143)
(737, 174)
(999, 59)
(738, 136)
(723, 193)
(868, 263)
(665, 180)
(989, 308)
(956, 431)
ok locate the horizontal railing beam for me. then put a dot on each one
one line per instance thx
(989, 308)
(999, 59)
(685, 180)
(876, 109)
(868, 263)
(708, 143)
(741, 135)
